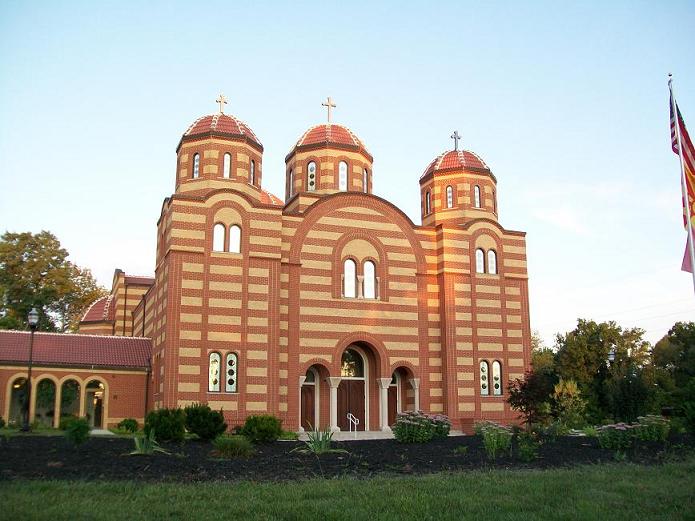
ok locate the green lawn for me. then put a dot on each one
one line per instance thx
(611, 492)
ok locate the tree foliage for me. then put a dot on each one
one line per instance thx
(35, 272)
(531, 396)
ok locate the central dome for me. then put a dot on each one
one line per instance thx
(222, 125)
(456, 160)
(329, 133)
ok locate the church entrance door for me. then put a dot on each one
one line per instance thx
(351, 400)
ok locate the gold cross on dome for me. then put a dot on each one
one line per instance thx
(455, 136)
(222, 102)
(329, 104)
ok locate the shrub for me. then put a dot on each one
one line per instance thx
(496, 438)
(65, 420)
(590, 431)
(234, 446)
(77, 431)
(527, 445)
(441, 426)
(319, 442)
(461, 449)
(688, 409)
(569, 404)
(289, 436)
(2, 422)
(168, 424)
(146, 445)
(413, 427)
(263, 428)
(651, 428)
(128, 425)
(617, 436)
(204, 422)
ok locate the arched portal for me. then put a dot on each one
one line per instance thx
(45, 402)
(310, 398)
(353, 391)
(69, 399)
(17, 402)
(94, 403)
(400, 394)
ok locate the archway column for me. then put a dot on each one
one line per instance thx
(302, 379)
(384, 384)
(32, 405)
(56, 405)
(415, 384)
(333, 383)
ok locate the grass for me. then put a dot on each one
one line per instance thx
(615, 491)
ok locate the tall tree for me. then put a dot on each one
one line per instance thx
(35, 272)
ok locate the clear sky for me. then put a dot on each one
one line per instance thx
(567, 102)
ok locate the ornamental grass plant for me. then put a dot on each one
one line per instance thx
(233, 446)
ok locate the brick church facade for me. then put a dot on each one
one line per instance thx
(331, 302)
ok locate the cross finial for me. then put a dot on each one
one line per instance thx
(455, 136)
(329, 104)
(222, 102)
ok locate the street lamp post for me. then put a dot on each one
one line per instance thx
(33, 319)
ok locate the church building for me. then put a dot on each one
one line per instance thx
(328, 307)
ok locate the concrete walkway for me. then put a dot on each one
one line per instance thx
(366, 435)
(101, 432)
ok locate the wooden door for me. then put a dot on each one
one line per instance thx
(393, 404)
(309, 422)
(351, 399)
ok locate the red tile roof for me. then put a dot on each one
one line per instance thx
(268, 198)
(101, 310)
(221, 124)
(139, 280)
(456, 159)
(56, 349)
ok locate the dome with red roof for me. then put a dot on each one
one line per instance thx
(268, 198)
(457, 160)
(222, 125)
(101, 310)
(330, 134)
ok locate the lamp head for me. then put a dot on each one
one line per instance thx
(33, 318)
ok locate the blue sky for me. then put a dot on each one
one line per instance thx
(567, 103)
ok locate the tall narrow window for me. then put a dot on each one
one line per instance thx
(349, 279)
(369, 285)
(428, 203)
(479, 261)
(476, 196)
(342, 176)
(218, 237)
(494, 201)
(365, 181)
(196, 166)
(290, 188)
(496, 378)
(235, 239)
(214, 373)
(227, 166)
(492, 262)
(311, 176)
(449, 197)
(484, 378)
(252, 174)
(231, 373)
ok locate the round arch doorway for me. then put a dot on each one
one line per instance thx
(352, 390)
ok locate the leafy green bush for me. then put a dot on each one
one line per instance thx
(461, 449)
(65, 420)
(77, 431)
(441, 425)
(527, 446)
(420, 427)
(204, 422)
(168, 424)
(289, 436)
(128, 425)
(688, 409)
(496, 438)
(263, 428)
(652, 427)
(590, 431)
(146, 445)
(234, 446)
(2, 422)
(616, 436)
(319, 442)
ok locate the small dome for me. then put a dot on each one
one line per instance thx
(221, 125)
(456, 160)
(328, 134)
(268, 198)
(101, 310)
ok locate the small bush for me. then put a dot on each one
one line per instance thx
(319, 442)
(147, 445)
(420, 427)
(441, 426)
(616, 437)
(651, 428)
(128, 425)
(234, 446)
(168, 424)
(496, 438)
(263, 428)
(2, 422)
(289, 436)
(590, 431)
(461, 449)
(527, 446)
(77, 431)
(204, 422)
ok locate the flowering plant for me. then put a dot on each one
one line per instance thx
(420, 427)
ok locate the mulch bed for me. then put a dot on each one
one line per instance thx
(53, 457)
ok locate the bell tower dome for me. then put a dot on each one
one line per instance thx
(328, 158)
(457, 186)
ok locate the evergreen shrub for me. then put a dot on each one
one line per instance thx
(263, 428)
(168, 424)
(128, 425)
(234, 446)
(204, 422)
(77, 431)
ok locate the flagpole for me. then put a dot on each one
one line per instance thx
(684, 185)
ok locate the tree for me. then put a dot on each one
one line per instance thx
(531, 396)
(542, 357)
(569, 405)
(675, 353)
(35, 272)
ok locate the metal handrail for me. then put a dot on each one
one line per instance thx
(353, 420)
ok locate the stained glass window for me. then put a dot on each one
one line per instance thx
(484, 378)
(351, 365)
(214, 373)
(231, 373)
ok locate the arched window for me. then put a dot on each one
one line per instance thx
(214, 373)
(428, 203)
(235, 239)
(351, 364)
(252, 174)
(479, 261)
(218, 237)
(290, 189)
(476, 196)
(227, 165)
(196, 166)
(349, 278)
(494, 201)
(231, 373)
(365, 181)
(311, 176)
(342, 176)
(449, 197)
(484, 378)
(369, 284)
(492, 262)
(496, 378)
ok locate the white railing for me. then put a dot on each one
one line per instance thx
(353, 421)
